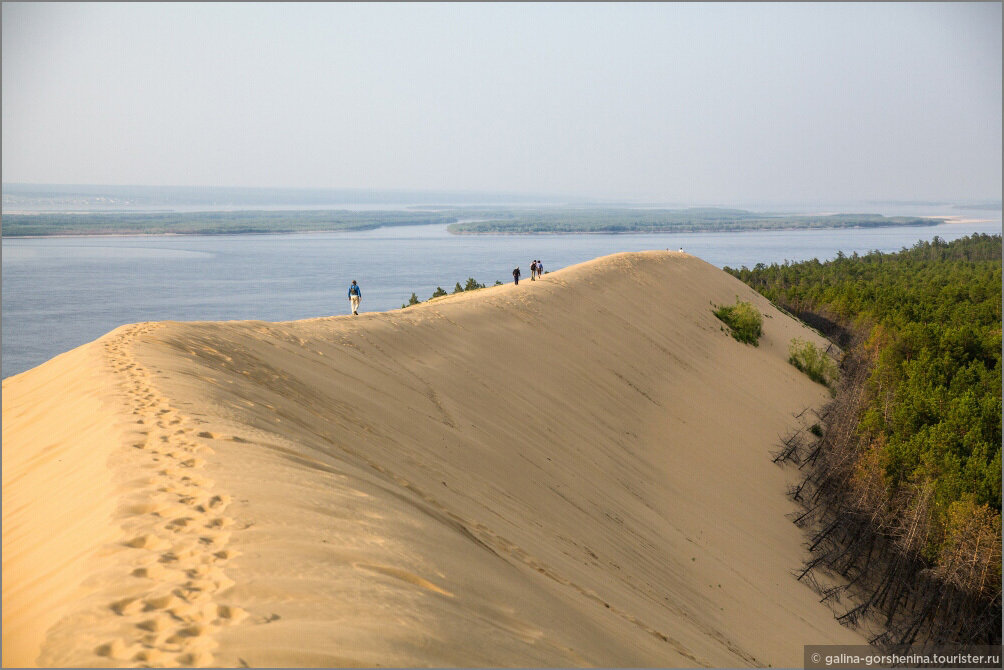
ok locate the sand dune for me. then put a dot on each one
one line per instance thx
(573, 471)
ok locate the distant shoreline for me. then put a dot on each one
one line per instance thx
(458, 221)
(934, 221)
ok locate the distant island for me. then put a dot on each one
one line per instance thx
(459, 220)
(692, 220)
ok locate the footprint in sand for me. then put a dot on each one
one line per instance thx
(187, 632)
(218, 539)
(151, 542)
(196, 481)
(230, 614)
(219, 500)
(154, 571)
(164, 602)
(156, 624)
(180, 553)
(220, 522)
(128, 606)
(194, 611)
(116, 649)
(194, 500)
(153, 657)
(179, 524)
(196, 659)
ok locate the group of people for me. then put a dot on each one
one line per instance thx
(536, 270)
(356, 294)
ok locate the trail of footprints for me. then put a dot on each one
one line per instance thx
(177, 534)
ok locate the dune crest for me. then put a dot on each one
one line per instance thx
(572, 471)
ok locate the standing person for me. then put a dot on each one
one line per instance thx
(540, 268)
(533, 270)
(515, 276)
(355, 296)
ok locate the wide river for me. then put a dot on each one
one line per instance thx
(59, 293)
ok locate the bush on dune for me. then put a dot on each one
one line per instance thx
(744, 321)
(813, 361)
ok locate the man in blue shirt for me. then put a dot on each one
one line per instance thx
(355, 295)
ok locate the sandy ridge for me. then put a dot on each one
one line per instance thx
(569, 472)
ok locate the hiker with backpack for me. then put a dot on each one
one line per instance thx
(515, 276)
(355, 297)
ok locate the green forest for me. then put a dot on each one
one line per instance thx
(925, 439)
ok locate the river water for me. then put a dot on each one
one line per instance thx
(59, 293)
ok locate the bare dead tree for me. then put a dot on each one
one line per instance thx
(790, 447)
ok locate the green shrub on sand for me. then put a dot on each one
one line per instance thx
(813, 361)
(743, 320)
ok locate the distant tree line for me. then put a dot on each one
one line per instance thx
(623, 220)
(902, 488)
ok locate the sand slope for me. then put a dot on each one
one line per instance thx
(574, 471)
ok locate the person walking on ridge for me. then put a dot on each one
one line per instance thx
(540, 269)
(515, 276)
(355, 296)
(533, 270)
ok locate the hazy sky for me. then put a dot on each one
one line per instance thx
(681, 102)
